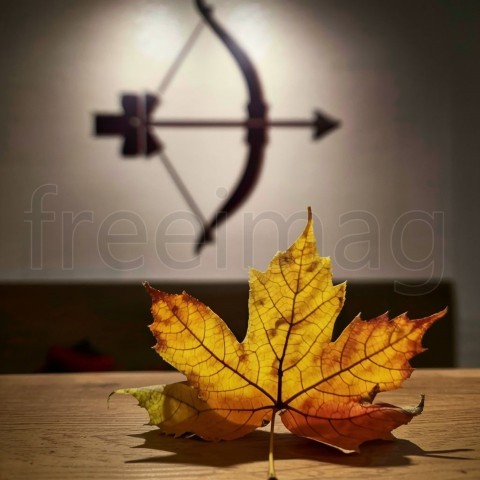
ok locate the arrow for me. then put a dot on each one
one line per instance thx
(321, 124)
(134, 124)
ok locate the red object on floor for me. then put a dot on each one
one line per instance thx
(79, 358)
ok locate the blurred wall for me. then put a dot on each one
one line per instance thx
(394, 190)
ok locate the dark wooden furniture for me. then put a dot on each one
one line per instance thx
(37, 321)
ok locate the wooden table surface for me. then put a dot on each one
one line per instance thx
(58, 426)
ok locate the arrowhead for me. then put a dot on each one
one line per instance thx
(323, 124)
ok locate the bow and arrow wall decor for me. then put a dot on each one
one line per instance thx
(138, 128)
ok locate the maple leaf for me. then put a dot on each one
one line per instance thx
(287, 363)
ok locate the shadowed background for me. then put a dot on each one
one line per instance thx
(394, 190)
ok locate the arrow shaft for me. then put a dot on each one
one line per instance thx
(251, 123)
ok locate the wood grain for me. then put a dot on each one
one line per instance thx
(58, 426)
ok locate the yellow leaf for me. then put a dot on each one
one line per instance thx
(287, 362)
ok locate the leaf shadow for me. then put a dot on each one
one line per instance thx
(254, 448)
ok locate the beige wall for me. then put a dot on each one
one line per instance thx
(391, 189)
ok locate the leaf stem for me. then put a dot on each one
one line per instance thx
(271, 466)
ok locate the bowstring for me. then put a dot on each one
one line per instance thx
(180, 58)
(182, 187)
(164, 84)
